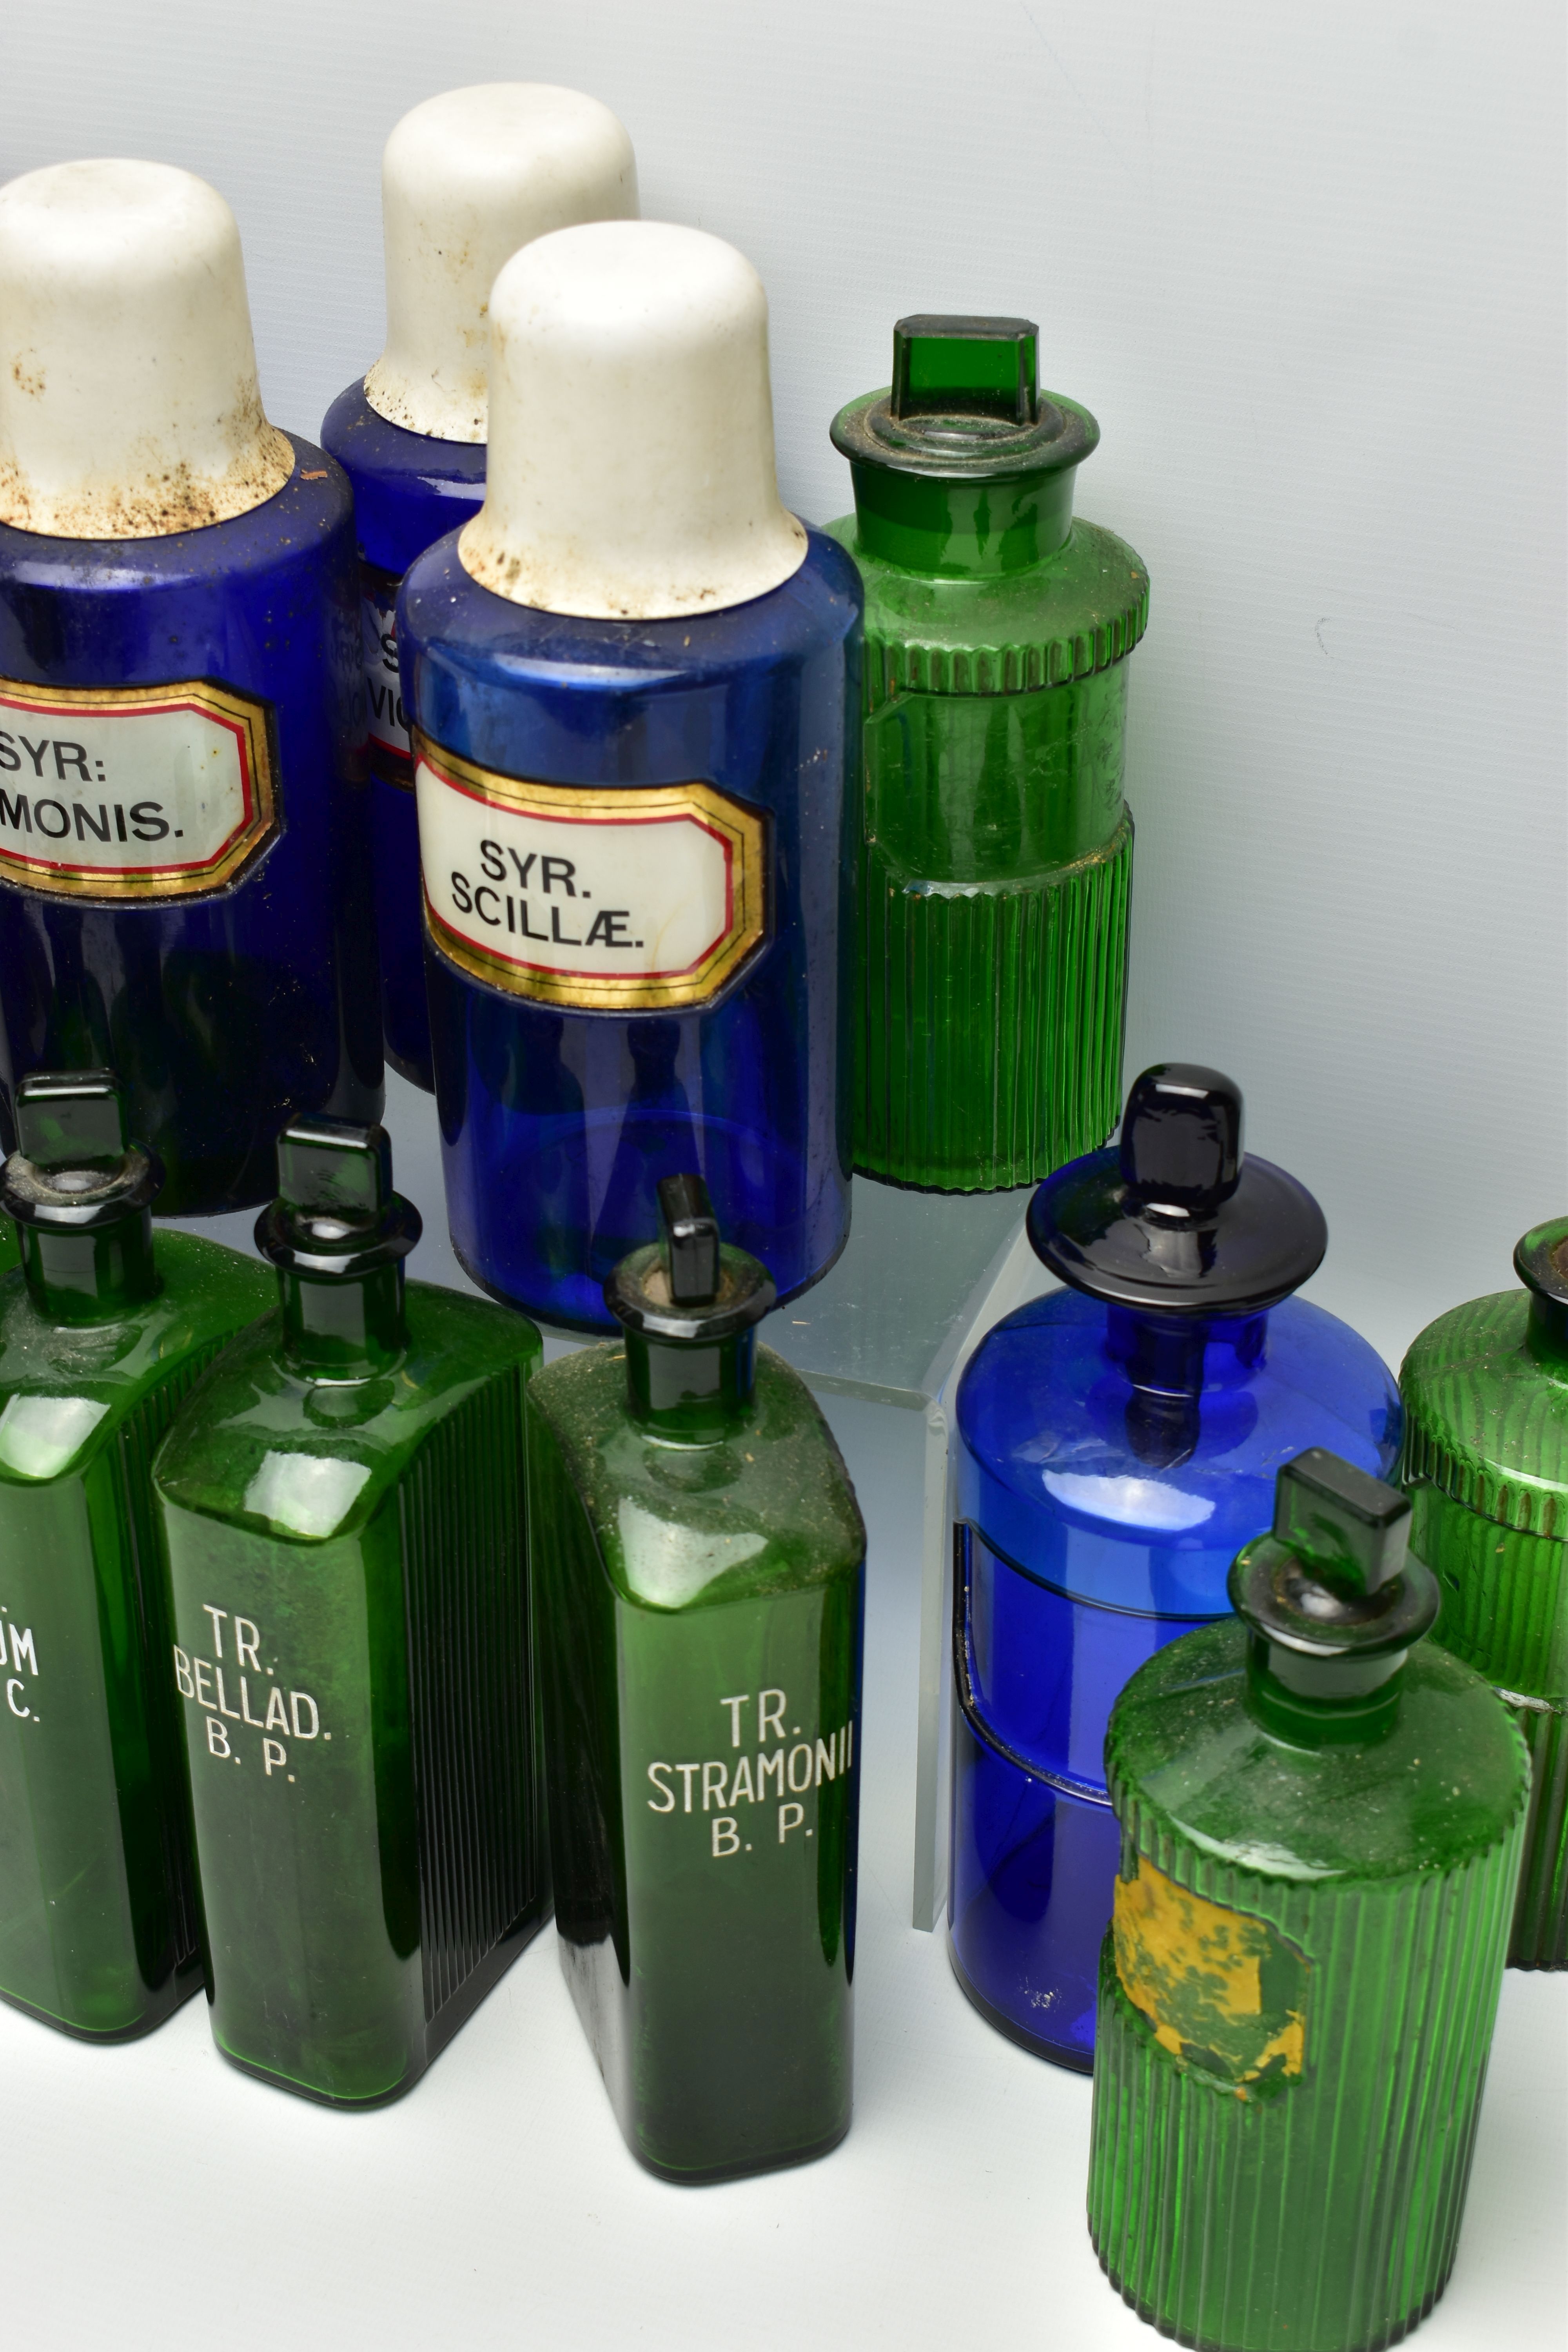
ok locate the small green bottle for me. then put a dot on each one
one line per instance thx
(701, 1570)
(994, 847)
(101, 1335)
(1485, 1466)
(1322, 1819)
(343, 1513)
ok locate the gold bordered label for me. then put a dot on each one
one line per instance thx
(135, 792)
(606, 900)
(1223, 1990)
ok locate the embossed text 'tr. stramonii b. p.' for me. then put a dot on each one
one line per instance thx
(1322, 1820)
(466, 179)
(184, 887)
(633, 682)
(342, 1507)
(701, 1565)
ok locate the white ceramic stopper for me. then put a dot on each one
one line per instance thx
(129, 405)
(466, 179)
(631, 463)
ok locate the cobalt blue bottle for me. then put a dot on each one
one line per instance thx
(632, 681)
(183, 878)
(1118, 1442)
(466, 178)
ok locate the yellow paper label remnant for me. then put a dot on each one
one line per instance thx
(1223, 1991)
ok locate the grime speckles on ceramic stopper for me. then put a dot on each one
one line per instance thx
(631, 461)
(129, 402)
(466, 178)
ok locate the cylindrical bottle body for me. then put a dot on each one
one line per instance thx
(1296, 2003)
(1486, 1464)
(637, 893)
(409, 490)
(995, 853)
(1083, 1548)
(185, 888)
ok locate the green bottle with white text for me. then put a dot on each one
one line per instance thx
(702, 1569)
(343, 1521)
(102, 1332)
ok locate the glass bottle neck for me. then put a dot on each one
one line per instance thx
(690, 1394)
(89, 1277)
(1322, 1702)
(1165, 1358)
(1546, 1335)
(962, 531)
(343, 1328)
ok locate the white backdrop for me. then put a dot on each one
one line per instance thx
(1305, 263)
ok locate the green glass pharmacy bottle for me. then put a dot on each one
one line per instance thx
(1486, 1466)
(1322, 1818)
(701, 1574)
(344, 1524)
(994, 847)
(102, 1333)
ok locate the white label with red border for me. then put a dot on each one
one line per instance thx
(625, 898)
(136, 791)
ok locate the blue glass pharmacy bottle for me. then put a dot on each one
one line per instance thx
(558, 1123)
(409, 489)
(1118, 1442)
(184, 882)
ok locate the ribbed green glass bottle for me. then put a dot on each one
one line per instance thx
(995, 849)
(1321, 1820)
(101, 1334)
(701, 1562)
(343, 1516)
(1486, 1464)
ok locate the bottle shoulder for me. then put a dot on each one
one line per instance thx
(1487, 1420)
(448, 618)
(769, 1510)
(410, 489)
(259, 1444)
(1189, 1765)
(1083, 609)
(313, 509)
(1042, 1414)
(66, 1389)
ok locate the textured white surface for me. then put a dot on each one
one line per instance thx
(631, 458)
(1305, 265)
(466, 178)
(129, 403)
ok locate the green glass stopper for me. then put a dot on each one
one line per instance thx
(72, 1118)
(965, 367)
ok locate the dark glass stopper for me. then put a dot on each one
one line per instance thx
(1180, 1139)
(690, 1239)
(1351, 1530)
(964, 367)
(71, 1119)
(336, 1210)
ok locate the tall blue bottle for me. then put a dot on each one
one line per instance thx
(184, 880)
(466, 178)
(632, 683)
(1118, 1442)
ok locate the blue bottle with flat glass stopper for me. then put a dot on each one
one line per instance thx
(632, 682)
(1118, 1442)
(466, 178)
(184, 877)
